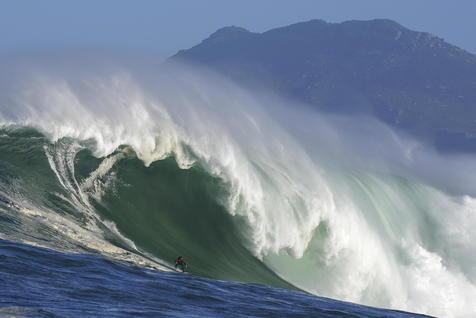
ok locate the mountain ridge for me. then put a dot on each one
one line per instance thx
(413, 81)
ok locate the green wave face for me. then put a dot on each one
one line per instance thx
(29, 188)
(169, 211)
(164, 210)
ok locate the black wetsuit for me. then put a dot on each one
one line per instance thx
(180, 262)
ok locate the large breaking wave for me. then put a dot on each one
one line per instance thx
(146, 167)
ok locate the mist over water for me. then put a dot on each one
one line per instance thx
(339, 206)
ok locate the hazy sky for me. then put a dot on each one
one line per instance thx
(163, 27)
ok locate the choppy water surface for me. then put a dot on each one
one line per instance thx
(38, 282)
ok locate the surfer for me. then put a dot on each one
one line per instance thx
(180, 262)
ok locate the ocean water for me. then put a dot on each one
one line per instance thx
(39, 282)
(107, 176)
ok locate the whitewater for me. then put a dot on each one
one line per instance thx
(143, 165)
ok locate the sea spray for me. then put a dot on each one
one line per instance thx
(330, 208)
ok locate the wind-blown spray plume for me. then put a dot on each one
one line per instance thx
(258, 189)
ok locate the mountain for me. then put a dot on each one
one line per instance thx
(413, 81)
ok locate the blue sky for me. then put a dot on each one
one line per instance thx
(163, 27)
